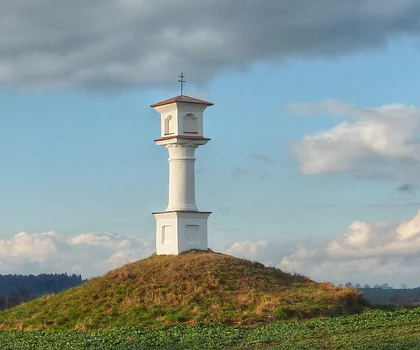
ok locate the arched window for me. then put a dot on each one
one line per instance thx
(168, 125)
(190, 124)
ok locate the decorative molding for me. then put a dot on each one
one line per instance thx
(186, 137)
(182, 211)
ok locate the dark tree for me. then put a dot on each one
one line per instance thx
(16, 289)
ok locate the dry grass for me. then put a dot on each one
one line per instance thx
(190, 288)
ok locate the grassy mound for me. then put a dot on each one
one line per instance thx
(190, 288)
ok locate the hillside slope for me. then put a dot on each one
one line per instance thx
(189, 288)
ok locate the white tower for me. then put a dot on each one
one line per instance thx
(181, 227)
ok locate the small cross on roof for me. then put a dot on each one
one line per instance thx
(182, 97)
(182, 81)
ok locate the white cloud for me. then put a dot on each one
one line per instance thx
(90, 254)
(254, 251)
(269, 253)
(33, 247)
(112, 44)
(373, 253)
(385, 136)
(366, 252)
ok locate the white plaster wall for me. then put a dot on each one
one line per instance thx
(193, 108)
(166, 219)
(199, 219)
(165, 111)
(179, 222)
(190, 124)
(178, 111)
(174, 123)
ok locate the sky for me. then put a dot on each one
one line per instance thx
(314, 161)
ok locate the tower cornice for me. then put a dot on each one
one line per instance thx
(183, 137)
(182, 140)
(183, 211)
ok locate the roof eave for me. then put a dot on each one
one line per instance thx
(182, 99)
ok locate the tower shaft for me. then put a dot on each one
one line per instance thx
(181, 177)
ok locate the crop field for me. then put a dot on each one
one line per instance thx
(373, 329)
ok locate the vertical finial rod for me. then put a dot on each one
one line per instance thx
(182, 81)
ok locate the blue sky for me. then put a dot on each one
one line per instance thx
(83, 161)
(77, 158)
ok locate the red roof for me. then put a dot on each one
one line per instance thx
(182, 98)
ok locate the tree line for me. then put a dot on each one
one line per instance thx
(376, 286)
(16, 289)
(383, 294)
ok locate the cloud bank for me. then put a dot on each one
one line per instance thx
(373, 253)
(365, 252)
(122, 44)
(88, 254)
(383, 138)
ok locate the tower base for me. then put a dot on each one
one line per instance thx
(180, 231)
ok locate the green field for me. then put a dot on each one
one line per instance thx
(373, 329)
(205, 300)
